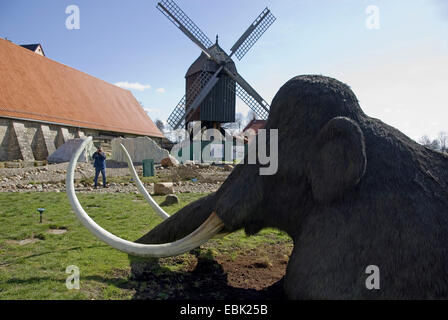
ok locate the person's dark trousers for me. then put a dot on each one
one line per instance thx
(97, 173)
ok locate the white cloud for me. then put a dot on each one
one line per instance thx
(152, 111)
(133, 85)
(161, 90)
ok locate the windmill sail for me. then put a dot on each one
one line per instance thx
(177, 117)
(252, 34)
(260, 110)
(175, 14)
(246, 89)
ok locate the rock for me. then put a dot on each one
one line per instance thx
(12, 164)
(170, 161)
(64, 153)
(139, 149)
(170, 200)
(228, 167)
(187, 172)
(164, 188)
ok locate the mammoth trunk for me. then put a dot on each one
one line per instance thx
(181, 224)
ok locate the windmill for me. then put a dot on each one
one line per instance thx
(212, 81)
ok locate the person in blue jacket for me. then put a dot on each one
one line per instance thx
(100, 166)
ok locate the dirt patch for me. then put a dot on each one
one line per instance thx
(57, 231)
(256, 268)
(22, 242)
(254, 274)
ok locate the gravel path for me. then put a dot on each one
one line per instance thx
(51, 178)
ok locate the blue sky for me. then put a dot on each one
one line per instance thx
(399, 72)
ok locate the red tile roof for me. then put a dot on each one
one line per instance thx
(33, 87)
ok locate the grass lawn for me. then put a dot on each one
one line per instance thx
(37, 270)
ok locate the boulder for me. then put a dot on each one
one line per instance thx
(163, 188)
(186, 172)
(64, 153)
(13, 164)
(170, 200)
(170, 161)
(139, 149)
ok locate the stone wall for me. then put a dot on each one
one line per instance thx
(139, 149)
(22, 141)
(30, 141)
(4, 123)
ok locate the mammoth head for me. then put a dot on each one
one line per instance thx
(322, 141)
(321, 156)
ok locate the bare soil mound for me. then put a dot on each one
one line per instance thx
(255, 274)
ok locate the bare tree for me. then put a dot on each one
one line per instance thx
(239, 119)
(435, 145)
(160, 125)
(443, 140)
(251, 116)
(237, 126)
(440, 143)
(425, 141)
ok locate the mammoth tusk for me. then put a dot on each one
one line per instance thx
(206, 231)
(141, 188)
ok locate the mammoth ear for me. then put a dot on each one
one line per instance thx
(339, 159)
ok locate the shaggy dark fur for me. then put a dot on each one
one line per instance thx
(350, 190)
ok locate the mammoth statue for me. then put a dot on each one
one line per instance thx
(350, 190)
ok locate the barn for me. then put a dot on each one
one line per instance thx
(44, 103)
